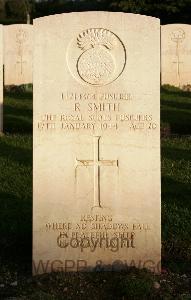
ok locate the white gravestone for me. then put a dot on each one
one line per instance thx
(96, 142)
(176, 55)
(18, 54)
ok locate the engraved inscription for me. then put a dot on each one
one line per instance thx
(96, 112)
(97, 231)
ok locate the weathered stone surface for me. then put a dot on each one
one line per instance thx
(18, 54)
(96, 142)
(176, 55)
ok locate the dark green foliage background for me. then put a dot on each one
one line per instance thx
(169, 11)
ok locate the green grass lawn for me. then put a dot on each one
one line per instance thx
(16, 214)
(176, 110)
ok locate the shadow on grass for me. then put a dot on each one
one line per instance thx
(176, 193)
(179, 121)
(20, 95)
(177, 265)
(18, 113)
(15, 153)
(176, 154)
(18, 110)
(13, 124)
(174, 91)
(178, 105)
(176, 109)
(16, 229)
(176, 221)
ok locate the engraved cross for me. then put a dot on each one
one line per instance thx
(21, 62)
(96, 163)
(178, 62)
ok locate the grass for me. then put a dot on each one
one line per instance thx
(16, 180)
(16, 215)
(176, 110)
(176, 203)
(176, 179)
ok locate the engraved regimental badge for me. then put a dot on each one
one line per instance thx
(178, 35)
(99, 55)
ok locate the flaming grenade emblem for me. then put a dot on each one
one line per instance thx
(96, 65)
